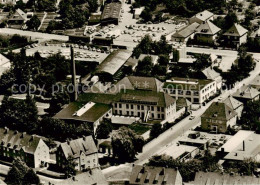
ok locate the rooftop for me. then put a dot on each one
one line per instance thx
(187, 31)
(219, 111)
(232, 102)
(114, 61)
(246, 92)
(175, 151)
(111, 10)
(210, 73)
(123, 120)
(203, 16)
(186, 83)
(89, 112)
(208, 28)
(76, 147)
(149, 174)
(236, 30)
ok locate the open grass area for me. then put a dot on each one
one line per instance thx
(139, 128)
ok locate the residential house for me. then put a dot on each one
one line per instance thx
(235, 105)
(182, 106)
(145, 104)
(218, 118)
(202, 17)
(154, 175)
(5, 64)
(111, 13)
(17, 20)
(137, 83)
(236, 35)
(184, 34)
(246, 93)
(243, 145)
(256, 34)
(207, 33)
(93, 176)
(83, 151)
(212, 178)
(256, 82)
(90, 113)
(30, 148)
(210, 74)
(195, 90)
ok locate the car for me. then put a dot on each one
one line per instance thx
(63, 45)
(191, 117)
(93, 49)
(80, 47)
(46, 44)
(98, 50)
(76, 45)
(85, 47)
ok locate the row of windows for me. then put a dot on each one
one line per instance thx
(214, 121)
(139, 107)
(139, 114)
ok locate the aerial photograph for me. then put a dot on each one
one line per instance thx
(129, 92)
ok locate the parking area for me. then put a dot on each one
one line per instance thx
(82, 53)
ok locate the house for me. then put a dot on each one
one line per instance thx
(5, 64)
(91, 113)
(236, 35)
(207, 33)
(202, 17)
(112, 64)
(218, 118)
(154, 175)
(246, 93)
(256, 82)
(137, 83)
(111, 13)
(235, 105)
(243, 145)
(145, 104)
(137, 12)
(192, 138)
(30, 148)
(18, 19)
(82, 150)
(184, 34)
(195, 90)
(210, 74)
(256, 34)
(154, 58)
(212, 178)
(93, 176)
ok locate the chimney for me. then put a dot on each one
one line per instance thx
(73, 71)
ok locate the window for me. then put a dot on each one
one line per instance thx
(162, 109)
(127, 112)
(120, 105)
(159, 116)
(162, 116)
(158, 109)
(127, 106)
(138, 107)
(115, 111)
(115, 105)
(132, 106)
(196, 93)
(138, 114)
(132, 113)
(152, 108)
(142, 107)
(188, 93)
(120, 112)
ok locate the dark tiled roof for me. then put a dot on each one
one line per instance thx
(16, 140)
(111, 10)
(213, 178)
(187, 31)
(219, 111)
(150, 174)
(75, 147)
(246, 92)
(91, 115)
(146, 97)
(208, 28)
(205, 15)
(137, 83)
(232, 102)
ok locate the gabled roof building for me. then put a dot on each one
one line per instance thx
(202, 17)
(246, 93)
(82, 150)
(30, 148)
(236, 35)
(207, 32)
(184, 34)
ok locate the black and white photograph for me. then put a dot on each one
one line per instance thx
(129, 92)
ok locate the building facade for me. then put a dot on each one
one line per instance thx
(195, 90)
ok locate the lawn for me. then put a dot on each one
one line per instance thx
(139, 128)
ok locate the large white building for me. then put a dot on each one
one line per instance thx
(195, 90)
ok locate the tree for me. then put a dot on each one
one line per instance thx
(69, 167)
(146, 15)
(163, 60)
(230, 19)
(31, 178)
(156, 130)
(126, 144)
(104, 129)
(34, 23)
(14, 176)
(144, 67)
